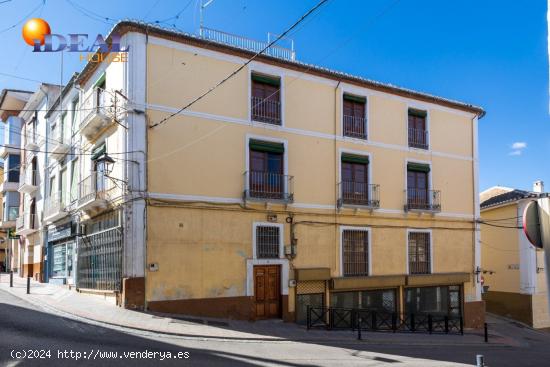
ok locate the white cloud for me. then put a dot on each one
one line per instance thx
(518, 145)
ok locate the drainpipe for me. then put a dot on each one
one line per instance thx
(476, 232)
(46, 254)
(336, 191)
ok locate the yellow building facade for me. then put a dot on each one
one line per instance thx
(514, 278)
(291, 186)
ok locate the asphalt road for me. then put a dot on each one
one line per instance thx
(26, 331)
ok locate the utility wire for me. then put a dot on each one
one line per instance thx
(20, 77)
(175, 17)
(91, 14)
(22, 19)
(236, 71)
(500, 226)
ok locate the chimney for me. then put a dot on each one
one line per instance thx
(538, 186)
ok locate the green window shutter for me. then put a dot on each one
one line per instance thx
(351, 98)
(418, 167)
(266, 146)
(274, 81)
(351, 158)
(100, 80)
(98, 152)
(418, 113)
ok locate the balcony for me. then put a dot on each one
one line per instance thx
(54, 207)
(358, 194)
(9, 186)
(59, 144)
(9, 220)
(268, 186)
(418, 138)
(95, 113)
(28, 183)
(422, 200)
(7, 148)
(32, 142)
(26, 224)
(265, 110)
(355, 127)
(94, 192)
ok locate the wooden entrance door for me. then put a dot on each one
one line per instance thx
(267, 291)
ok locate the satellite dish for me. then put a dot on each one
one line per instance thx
(531, 224)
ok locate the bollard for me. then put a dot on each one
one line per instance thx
(480, 361)
(486, 333)
(359, 329)
(28, 285)
(11, 278)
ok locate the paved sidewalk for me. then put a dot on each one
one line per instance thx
(69, 303)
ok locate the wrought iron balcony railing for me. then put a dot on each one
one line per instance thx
(418, 138)
(94, 104)
(31, 139)
(268, 186)
(26, 223)
(247, 43)
(423, 200)
(54, 205)
(28, 181)
(93, 188)
(265, 110)
(355, 127)
(359, 194)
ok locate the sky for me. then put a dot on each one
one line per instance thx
(491, 53)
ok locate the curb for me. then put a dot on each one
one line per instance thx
(78, 317)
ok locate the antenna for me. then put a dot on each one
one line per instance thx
(201, 10)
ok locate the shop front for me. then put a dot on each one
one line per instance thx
(62, 253)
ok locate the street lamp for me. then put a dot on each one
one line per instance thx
(107, 162)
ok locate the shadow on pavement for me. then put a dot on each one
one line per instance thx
(25, 329)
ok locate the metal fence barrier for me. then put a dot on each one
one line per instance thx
(335, 318)
(100, 260)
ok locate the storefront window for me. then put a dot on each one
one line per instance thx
(59, 260)
(444, 300)
(382, 300)
(62, 260)
(379, 300)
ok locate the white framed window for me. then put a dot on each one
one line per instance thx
(266, 95)
(355, 251)
(354, 116)
(268, 240)
(418, 127)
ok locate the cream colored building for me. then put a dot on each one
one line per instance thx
(514, 274)
(292, 185)
(288, 186)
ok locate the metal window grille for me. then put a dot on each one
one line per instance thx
(100, 260)
(419, 253)
(267, 242)
(356, 252)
